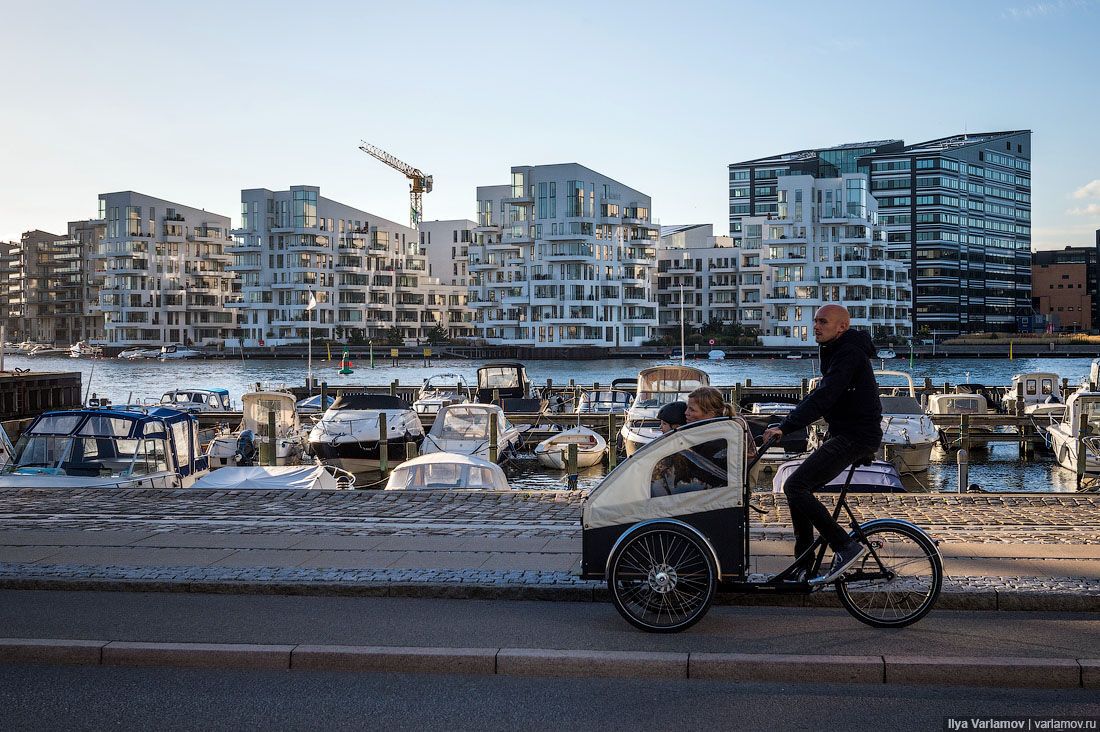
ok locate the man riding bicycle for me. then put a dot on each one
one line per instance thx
(848, 399)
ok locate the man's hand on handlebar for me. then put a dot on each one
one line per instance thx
(772, 435)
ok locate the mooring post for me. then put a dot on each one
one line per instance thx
(383, 445)
(612, 441)
(1020, 426)
(393, 388)
(496, 397)
(748, 383)
(964, 432)
(271, 454)
(803, 388)
(1082, 454)
(571, 465)
(927, 384)
(1065, 388)
(963, 459)
(324, 396)
(411, 450)
(492, 436)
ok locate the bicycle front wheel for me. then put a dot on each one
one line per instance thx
(898, 581)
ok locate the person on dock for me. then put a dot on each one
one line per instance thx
(848, 399)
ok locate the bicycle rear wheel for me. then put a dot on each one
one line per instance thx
(898, 582)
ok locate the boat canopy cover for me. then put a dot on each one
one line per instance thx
(256, 405)
(664, 384)
(900, 405)
(502, 375)
(362, 400)
(268, 477)
(447, 470)
(879, 476)
(108, 422)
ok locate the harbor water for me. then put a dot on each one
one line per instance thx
(1000, 469)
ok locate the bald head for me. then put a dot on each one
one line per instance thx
(830, 322)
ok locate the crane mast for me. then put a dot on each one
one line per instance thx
(419, 184)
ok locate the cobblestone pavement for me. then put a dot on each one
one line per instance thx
(970, 518)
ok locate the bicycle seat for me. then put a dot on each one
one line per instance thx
(864, 460)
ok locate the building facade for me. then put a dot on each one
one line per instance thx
(823, 244)
(73, 278)
(957, 210)
(165, 276)
(446, 245)
(563, 257)
(1065, 288)
(30, 299)
(367, 274)
(696, 279)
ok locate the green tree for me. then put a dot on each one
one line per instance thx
(438, 334)
(394, 337)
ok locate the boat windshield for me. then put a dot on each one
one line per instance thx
(89, 455)
(499, 378)
(465, 424)
(660, 386)
(453, 476)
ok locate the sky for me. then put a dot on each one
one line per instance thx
(192, 102)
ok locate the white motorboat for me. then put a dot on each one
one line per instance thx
(241, 446)
(177, 352)
(83, 349)
(716, 354)
(44, 350)
(604, 401)
(884, 353)
(313, 405)
(198, 400)
(1065, 438)
(657, 387)
(1042, 395)
(277, 477)
(440, 391)
(956, 405)
(349, 434)
(447, 471)
(778, 409)
(136, 354)
(464, 429)
(878, 477)
(111, 447)
(553, 452)
(908, 434)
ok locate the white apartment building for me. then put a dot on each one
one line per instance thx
(563, 257)
(165, 277)
(692, 261)
(823, 245)
(368, 274)
(446, 244)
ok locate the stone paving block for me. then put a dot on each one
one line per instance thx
(263, 558)
(439, 560)
(1090, 672)
(51, 537)
(1004, 567)
(394, 659)
(51, 650)
(587, 664)
(504, 544)
(220, 541)
(136, 556)
(785, 667)
(347, 559)
(420, 543)
(1046, 673)
(1020, 551)
(571, 546)
(197, 655)
(513, 560)
(26, 553)
(348, 543)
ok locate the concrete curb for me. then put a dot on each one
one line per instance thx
(1044, 673)
(950, 598)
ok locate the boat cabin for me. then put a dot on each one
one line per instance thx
(502, 380)
(197, 400)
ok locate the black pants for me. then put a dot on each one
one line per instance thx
(807, 513)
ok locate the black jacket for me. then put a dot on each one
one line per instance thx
(847, 396)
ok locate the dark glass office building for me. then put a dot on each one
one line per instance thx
(958, 209)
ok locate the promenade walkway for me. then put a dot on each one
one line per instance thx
(1037, 552)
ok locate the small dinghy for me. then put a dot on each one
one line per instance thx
(878, 477)
(553, 452)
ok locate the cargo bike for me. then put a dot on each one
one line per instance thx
(669, 528)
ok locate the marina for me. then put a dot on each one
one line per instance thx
(1015, 458)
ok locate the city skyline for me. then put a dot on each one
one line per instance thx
(196, 103)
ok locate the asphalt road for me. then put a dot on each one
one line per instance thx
(97, 698)
(180, 617)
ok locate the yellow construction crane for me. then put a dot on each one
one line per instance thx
(419, 184)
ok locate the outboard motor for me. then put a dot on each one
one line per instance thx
(247, 450)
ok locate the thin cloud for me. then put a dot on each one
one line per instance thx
(1093, 209)
(1089, 190)
(1045, 9)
